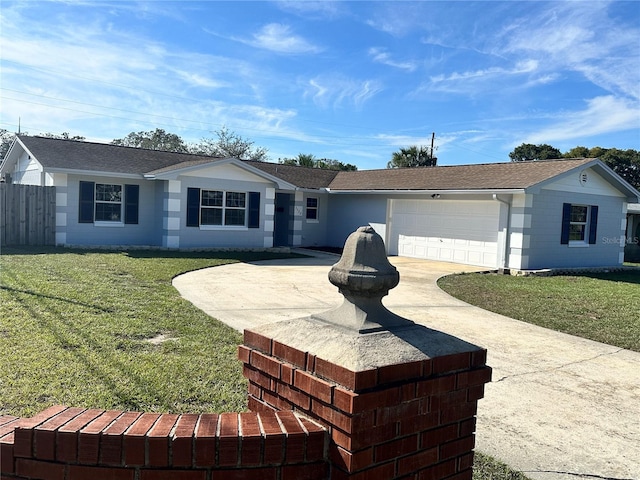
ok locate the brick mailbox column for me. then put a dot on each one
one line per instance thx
(399, 399)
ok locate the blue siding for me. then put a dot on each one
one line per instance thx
(348, 212)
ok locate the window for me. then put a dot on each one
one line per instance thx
(224, 209)
(579, 224)
(108, 203)
(312, 208)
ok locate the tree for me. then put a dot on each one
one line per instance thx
(310, 161)
(413, 156)
(529, 152)
(63, 136)
(230, 144)
(156, 139)
(6, 139)
(578, 152)
(625, 163)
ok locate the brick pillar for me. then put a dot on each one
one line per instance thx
(399, 399)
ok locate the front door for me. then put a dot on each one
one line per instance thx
(282, 216)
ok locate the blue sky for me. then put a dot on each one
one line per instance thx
(352, 81)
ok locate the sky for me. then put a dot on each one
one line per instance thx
(350, 81)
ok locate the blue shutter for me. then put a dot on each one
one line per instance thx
(193, 207)
(254, 209)
(131, 200)
(566, 223)
(87, 196)
(593, 224)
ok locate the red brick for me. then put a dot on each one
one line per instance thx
(77, 472)
(251, 439)
(465, 461)
(378, 472)
(89, 437)
(396, 448)
(439, 436)
(332, 416)
(316, 439)
(265, 364)
(182, 440)
(336, 373)
(399, 372)
(45, 433)
(475, 393)
(351, 461)
(478, 376)
(259, 406)
(398, 412)
(479, 358)
(373, 436)
(311, 363)
(465, 475)
(295, 396)
(111, 442)
(436, 385)
(439, 471)
(286, 373)
(295, 437)
(450, 399)
(158, 440)
(255, 340)
(313, 386)
(173, 474)
(67, 435)
(37, 469)
(314, 471)
(457, 413)
(417, 461)
(244, 353)
(457, 448)
(205, 440)
(451, 363)
(23, 433)
(6, 454)
(228, 439)
(5, 419)
(268, 473)
(274, 438)
(256, 376)
(418, 423)
(134, 442)
(467, 427)
(289, 354)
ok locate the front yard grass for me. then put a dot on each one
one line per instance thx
(76, 329)
(604, 307)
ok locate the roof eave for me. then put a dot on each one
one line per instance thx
(475, 191)
(95, 173)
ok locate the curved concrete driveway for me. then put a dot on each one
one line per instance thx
(559, 407)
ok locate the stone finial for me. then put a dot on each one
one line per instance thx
(364, 276)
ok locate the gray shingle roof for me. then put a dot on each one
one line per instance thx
(100, 157)
(488, 176)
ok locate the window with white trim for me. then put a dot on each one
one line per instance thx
(578, 223)
(312, 208)
(108, 202)
(223, 208)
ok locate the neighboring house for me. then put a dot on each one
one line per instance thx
(525, 215)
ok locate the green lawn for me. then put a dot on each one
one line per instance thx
(75, 325)
(604, 307)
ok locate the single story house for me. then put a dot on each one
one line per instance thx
(529, 215)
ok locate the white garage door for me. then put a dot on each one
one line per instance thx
(447, 230)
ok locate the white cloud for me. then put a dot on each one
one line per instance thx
(279, 38)
(337, 90)
(380, 55)
(602, 115)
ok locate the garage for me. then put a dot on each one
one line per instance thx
(447, 230)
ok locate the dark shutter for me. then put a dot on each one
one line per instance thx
(566, 223)
(254, 209)
(87, 195)
(193, 207)
(131, 201)
(593, 224)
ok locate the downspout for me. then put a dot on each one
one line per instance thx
(507, 239)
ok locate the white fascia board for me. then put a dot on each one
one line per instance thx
(430, 192)
(94, 173)
(10, 158)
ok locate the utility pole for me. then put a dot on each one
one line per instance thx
(433, 138)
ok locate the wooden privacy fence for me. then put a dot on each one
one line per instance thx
(27, 215)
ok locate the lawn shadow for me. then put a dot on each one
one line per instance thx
(53, 297)
(627, 276)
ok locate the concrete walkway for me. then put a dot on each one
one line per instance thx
(559, 407)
